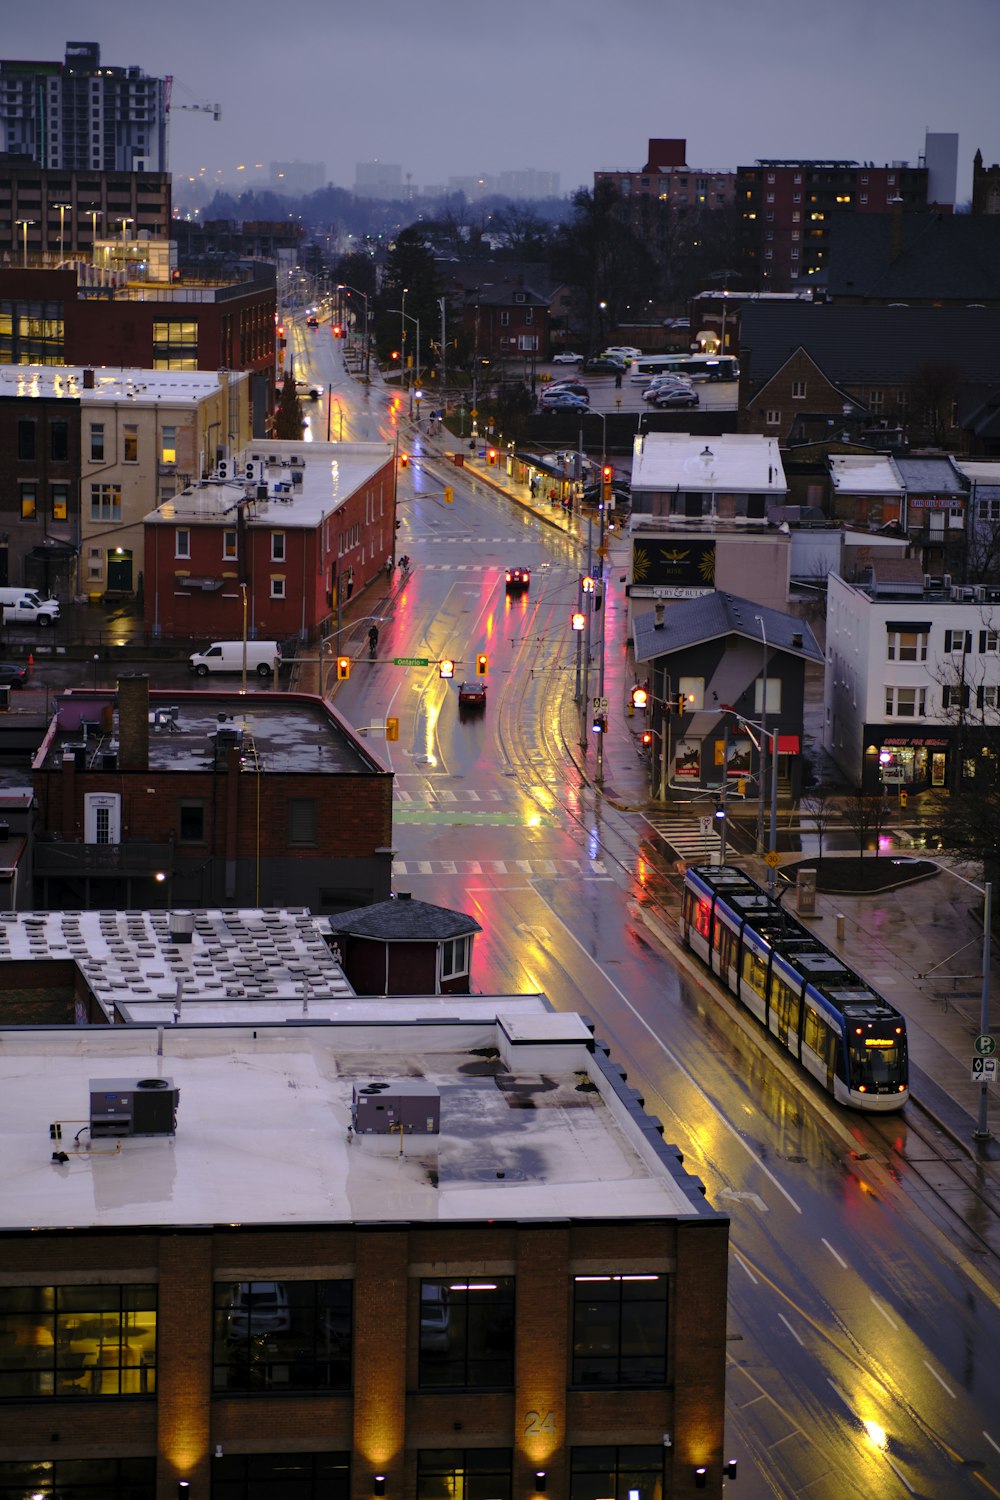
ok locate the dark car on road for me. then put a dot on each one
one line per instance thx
(472, 695)
(14, 674)
(602, 365)
(516, 579)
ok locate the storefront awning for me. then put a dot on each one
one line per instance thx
(52, 552)
(788, 744)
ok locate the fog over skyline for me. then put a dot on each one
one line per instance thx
(568, 86)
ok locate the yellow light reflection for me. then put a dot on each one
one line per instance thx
(534, 821)
(430, 732)
(876, 1433)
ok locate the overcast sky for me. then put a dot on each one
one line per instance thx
(456, 87)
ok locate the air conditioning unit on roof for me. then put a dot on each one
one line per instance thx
(297, 462)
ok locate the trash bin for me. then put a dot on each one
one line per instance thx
(805, 893)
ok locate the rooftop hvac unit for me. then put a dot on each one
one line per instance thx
(229, 737)
(297, 479)
(297, 462)
(133, 1106)
(409, 1105)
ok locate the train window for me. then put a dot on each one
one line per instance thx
(755, 972)
(782, 1001)
(818, 1036)
(702, 918)
(724, 943)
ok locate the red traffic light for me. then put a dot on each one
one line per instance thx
(579, 619)
(338, 332)
(607, 473)
(404, 460)
(647, 737)
(491, 456)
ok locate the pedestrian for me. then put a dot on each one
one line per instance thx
(388, 567)
(618, 380)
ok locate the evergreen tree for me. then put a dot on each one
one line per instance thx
(289, 422)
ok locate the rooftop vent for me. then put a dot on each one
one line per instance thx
(133, 1106)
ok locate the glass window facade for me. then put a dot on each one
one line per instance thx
(281, 1476)
(175, 345)
(464, 1474)
(79, 1479)
(620, 1329)
(467, 1332)
(273, 1336)
(77, 1341)
(626, 1473)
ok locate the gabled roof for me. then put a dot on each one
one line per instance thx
(947, 257)
(504, 294)
(694, 621)
(403, 920)
(867, 344)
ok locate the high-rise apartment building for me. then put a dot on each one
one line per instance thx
(79, 116)
(667, 176)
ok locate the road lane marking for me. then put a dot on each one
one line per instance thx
(945, 1387)
(791, 1330)
(741, 1262)
(879, 1308)
(838, 1258)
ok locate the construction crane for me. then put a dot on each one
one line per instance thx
(215, 110)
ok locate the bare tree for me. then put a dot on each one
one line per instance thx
(819, 805)
(868, 815)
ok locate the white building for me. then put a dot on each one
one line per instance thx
(912, 679)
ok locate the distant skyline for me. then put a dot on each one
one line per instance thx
(449, 89)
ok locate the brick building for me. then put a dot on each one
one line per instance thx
(507, 321)
(507, 1284)
(223, 799)
(274, 548)
(667, 176)
(39, 483)
(48, 216)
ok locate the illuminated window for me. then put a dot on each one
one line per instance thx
(60, 502)
(130, 444)
(635, 1471)
(229, 544)
(29, 500)
(620, 1329)
(168, 445)
(79, 1341)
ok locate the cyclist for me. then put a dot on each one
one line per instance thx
(373, 639)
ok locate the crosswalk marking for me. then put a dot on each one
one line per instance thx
(685, 835)
(519, 867)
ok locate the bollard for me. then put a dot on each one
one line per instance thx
(841, 924)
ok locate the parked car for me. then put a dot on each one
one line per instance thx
(674, 396)
(14, 674)
(575, 387)
(472, 695)
(602, 365)
(564, 401)
(516, 579)
(565, 357)
(666, 383)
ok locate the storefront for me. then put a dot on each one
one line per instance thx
(902, 762)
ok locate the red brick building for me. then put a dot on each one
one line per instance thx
(267, 799)
(507, 322)
(666, 176)
(283, 532)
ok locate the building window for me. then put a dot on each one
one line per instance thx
(989, 697)
(773, 695)
(467, 1333)
(175, 345)
(26, 440)
(988, 510)
(303, 822)
(958, 640)
(772, 418)
(290, 1476)
(463, 1473)
(454, 957)
(798, 390)
(83, 1478)
(229, 544)
(906, 645)
(863, 199)
(620, 1330)
(86, 1341)
(60, 502)
(635, 1472)
(130, 444)
(182, 542)
(989, 640)
(277, 546)
(191, 821)
(29, 500)
(277, 585)
(282, 1336)
(97, 442)
(59, 441)
(876, 400)
(504, 319)
(105, 502)
(168, 445)
(905, 703)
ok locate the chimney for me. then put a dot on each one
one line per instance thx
(89, 377)
(133, 722)
(658, 613)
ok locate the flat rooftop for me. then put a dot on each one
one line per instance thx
(742, 463)
(139, 387)
(535, 1124)
(297, 484)
(279, 732)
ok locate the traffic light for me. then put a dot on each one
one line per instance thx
(449, 494)
(640, 696)
(338, 332)
(446, 668)
(392, 729)
(343, 668)
(587, 585)
(404, 460)
(491, 457)
(719, 814)
(482, 664)
(579, 619)
(682, 703)
(600, 724)
(607, 474)
(647, 738)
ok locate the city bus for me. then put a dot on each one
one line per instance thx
(694, 366)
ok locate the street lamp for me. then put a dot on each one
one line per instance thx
(342, 286)
(63, 208)
(93, 214)
(125, 223)
(408, 317)
(23, 225)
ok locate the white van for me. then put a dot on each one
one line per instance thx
(23, 606)
(262, 657)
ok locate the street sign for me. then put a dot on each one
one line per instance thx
(985, 1069)
(772, 858)
(705, 826)
(599, 705)
(410, 661)
(986, 1045)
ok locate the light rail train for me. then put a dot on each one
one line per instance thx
(840, 1030)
